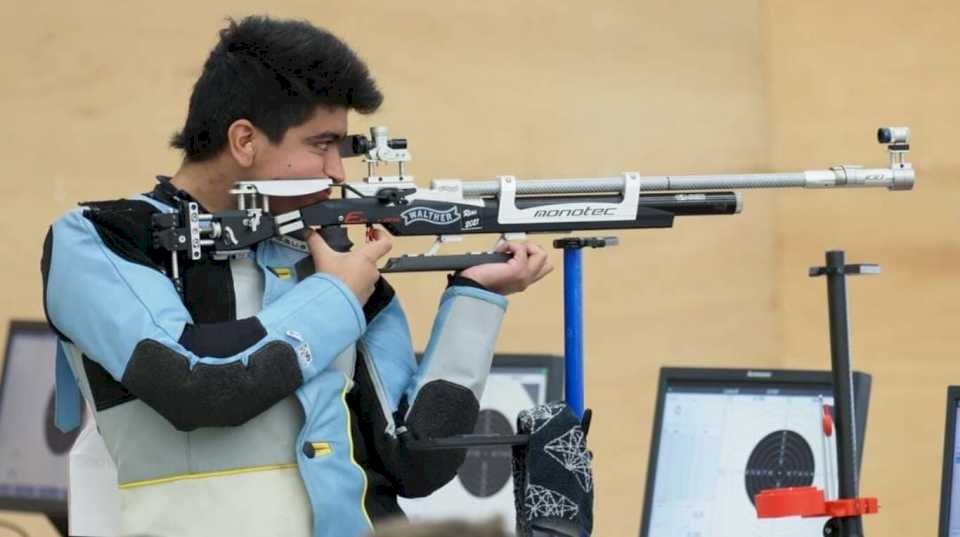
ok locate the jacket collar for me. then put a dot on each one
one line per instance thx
(166, 192)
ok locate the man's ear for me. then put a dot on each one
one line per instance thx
(240, 141)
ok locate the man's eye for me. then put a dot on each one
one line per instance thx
(321, 146)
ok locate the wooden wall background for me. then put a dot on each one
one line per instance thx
(91, 92)
(834, 70)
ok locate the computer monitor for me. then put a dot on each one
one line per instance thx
(484, 484)
(33, 452)
(720, 436)
(950, 487)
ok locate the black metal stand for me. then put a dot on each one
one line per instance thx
(844, 418)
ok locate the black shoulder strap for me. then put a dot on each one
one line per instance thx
(126, 227)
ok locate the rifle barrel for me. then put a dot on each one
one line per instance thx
(841, 176)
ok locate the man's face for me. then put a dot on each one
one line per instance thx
(309, 150)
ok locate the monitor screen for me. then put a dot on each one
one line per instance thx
(721, 442)
(954, 525)
(950, 493)
(33, 452)
(484, 484)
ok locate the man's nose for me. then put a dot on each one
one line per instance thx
(333, 167)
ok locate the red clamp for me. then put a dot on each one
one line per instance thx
(827, 420)
(809, 502)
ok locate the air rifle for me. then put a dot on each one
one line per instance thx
(511, 208)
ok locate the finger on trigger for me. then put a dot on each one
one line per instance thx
(378, 233)
(377, 248)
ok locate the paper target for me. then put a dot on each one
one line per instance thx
(487, 470)
(781, 459)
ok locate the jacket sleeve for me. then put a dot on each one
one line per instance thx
(128, 318)
(436, 398)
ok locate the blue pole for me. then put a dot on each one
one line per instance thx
(573, 328)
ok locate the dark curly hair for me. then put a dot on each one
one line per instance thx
(273, 73)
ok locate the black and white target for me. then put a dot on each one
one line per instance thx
(486, 470)
(781, 459)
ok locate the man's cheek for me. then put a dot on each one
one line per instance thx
(304, 169)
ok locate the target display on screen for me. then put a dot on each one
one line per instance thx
(950, 485)
(33, 452)
(721, 439)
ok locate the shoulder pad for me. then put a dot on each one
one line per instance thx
(126, 227)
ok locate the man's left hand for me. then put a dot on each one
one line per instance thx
(527, 266)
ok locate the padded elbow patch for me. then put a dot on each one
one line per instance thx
(441, 409)
(211, 395)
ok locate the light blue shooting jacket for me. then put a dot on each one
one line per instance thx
(105, 306)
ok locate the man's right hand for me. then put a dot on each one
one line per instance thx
(358, 268)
